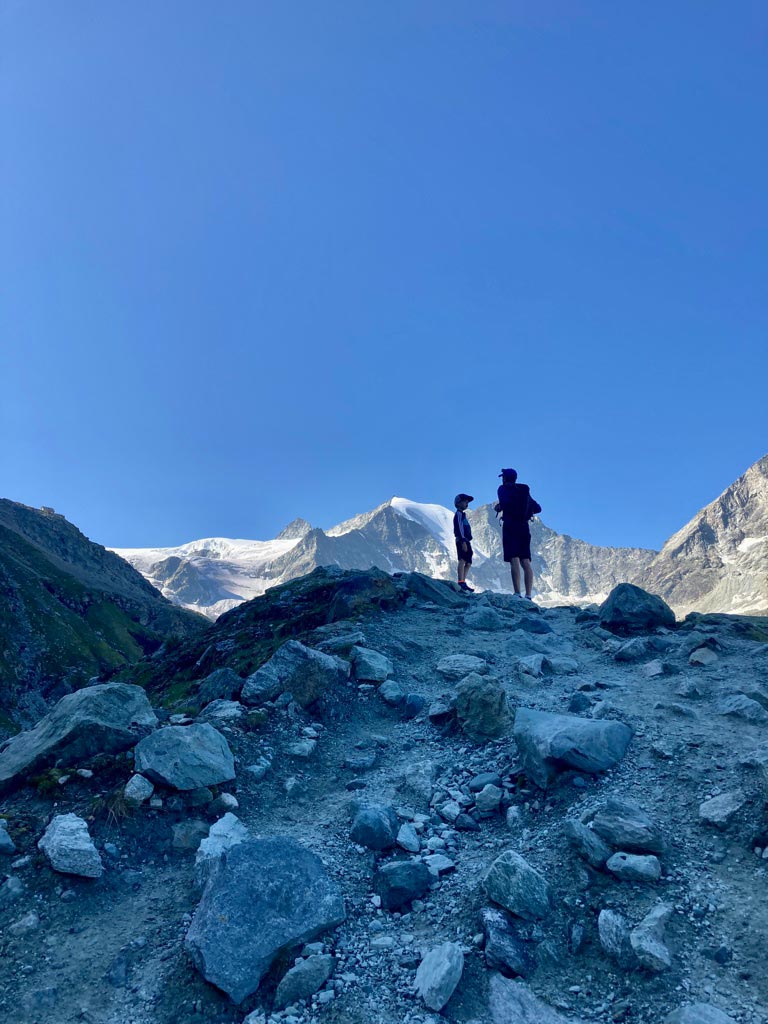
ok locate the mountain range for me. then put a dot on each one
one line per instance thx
(718, 562)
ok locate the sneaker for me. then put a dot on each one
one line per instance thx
(468, 589)
(519, 596)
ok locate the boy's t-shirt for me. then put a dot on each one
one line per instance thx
(461, 528)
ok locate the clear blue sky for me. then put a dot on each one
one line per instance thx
(269, 259)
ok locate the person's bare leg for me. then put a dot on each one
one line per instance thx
(515, 567)
(462, 571)
(528, 575)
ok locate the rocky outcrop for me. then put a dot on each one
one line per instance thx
(105, 718)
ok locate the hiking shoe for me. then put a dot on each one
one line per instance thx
(520, 596)
(463, 586)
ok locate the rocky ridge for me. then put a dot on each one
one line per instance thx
(588, 850)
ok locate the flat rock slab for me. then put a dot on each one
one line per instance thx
(264, 896)
(698, 1013)
(630, 609)
(185, 757)
(515, 885)
(438, 974)
(512, 1002)
(721, 810)
(106, 718)
(549, 743)
(68, 846)
(455, 666)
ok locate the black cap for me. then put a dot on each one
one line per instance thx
(462, 497)
(508, 472)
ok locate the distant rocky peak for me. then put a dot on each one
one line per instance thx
(295, 530)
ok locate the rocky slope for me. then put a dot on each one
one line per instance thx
(381, 742)
(718, 562)
(69, 609)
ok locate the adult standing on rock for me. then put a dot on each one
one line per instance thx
(517, 507)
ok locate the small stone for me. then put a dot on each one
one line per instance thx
(7, 845)
(301, 748)
(439, 864)
(400, 882)
(457, 666)
(10, 891)
(515, 885)
(698, 1013)
(632, 867)
(30, 922)
(224, 804)
(187, 835)
(392, 693)
(703, 656)
(439, 974)
(304, 979)
(488, 799)
(587, 844)
(408, 839)
(615, 938)
(479, 782)
(647, 939)
(137, 790)
(624, 824)
(375, 826)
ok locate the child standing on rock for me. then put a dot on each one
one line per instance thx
(462, 531)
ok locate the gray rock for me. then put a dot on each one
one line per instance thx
(137, 790)
(703, 656)
(721, 810)
(10, 891)
(532, 665)
(488, 800)
(68, 846)
(629, 609)
(698, 1013)
(634, 867)
(737, 706)
(263, 896)
(304, 979)
(633, 650)
(407, 838)
(392, 693)
(625, 825)
(512, 1002)
(485, 618)
(223, 803)
(515, 885)
(185, 757)
(439, 864)
(106, 718)
(222, 711)
(652, 669)
(615, 938)
(456, 666)
(505, 949)
(484, 779)
(7, 845)
(375, 826)
(548, 743)
(481, 707)
(30, 922)
(647, 939)
(398, 883)
(221, 684)
(417, 782)
(370, 666)
(438, 974)
(301, 671)
(587, 844)
(222, 835)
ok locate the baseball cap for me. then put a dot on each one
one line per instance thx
(508, 472)
(462, 497)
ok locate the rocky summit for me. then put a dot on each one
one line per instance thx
(366, 798)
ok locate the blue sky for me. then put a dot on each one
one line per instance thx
(262, 260)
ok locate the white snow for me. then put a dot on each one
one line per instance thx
(436, 519)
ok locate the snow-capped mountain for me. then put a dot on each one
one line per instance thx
(718, 562)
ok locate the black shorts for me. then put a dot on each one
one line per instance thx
(464, 556)
(516, 539)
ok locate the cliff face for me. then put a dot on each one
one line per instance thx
(69, 609)
(718, 562)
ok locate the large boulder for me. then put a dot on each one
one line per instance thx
(515, 885)
(264, 897)
(106, 718)
(481, 707)
(512, 1002)
(68, 846)
(549, 743)
(185, 757)
(301, 671)
(630, 609)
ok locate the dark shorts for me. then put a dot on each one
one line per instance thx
(464, 556)
(516, 539)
